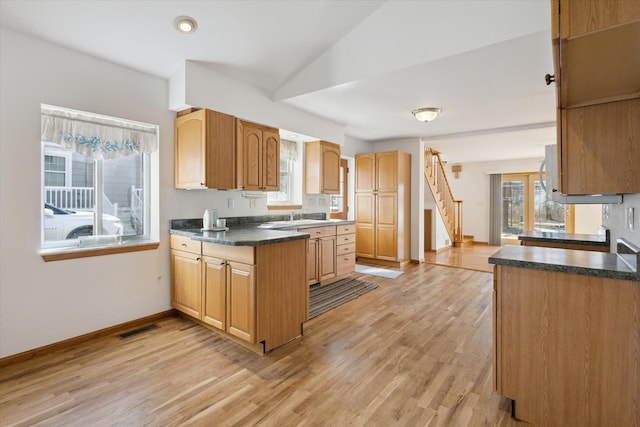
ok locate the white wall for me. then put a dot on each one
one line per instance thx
(617, 221)
(42, 303)
(588, 219)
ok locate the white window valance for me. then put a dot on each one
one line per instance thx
(288, 150)
(100, 137)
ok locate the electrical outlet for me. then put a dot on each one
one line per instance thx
(322, 201)
(231, 203)
(605, 212)
(252, 203)
(630, 218)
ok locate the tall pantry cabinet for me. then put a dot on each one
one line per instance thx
(383, 207)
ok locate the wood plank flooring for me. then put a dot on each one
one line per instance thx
(472, 258)
(416, 351)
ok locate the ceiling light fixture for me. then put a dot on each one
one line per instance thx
(426, 114)
(185, 24)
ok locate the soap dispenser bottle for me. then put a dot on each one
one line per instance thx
(209, 219)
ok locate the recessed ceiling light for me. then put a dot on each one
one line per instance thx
(185, 24)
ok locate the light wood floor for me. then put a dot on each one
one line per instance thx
(416, 351)
(471, 258)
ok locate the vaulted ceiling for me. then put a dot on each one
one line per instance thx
(364, 64)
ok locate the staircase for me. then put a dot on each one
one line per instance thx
(450, 209)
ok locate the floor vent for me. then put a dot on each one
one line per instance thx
(138, 331)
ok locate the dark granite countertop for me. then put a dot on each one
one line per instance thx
(573, 238)
(241, 236)
(601, 264)
(242, 232)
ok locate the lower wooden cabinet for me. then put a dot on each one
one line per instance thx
(186, 292)
(345, 249)
(566, 347)
(258, 296)
(330, 252)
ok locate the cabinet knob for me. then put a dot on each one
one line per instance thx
(549, 78)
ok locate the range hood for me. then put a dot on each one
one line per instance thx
(550, 184)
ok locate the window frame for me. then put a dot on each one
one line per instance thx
(57, 249)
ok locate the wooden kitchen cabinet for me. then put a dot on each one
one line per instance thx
(596, 65)
(566, 346)
(257, 296)
(383, 207)
(321, 253)
(258, 157)
(186, 292)
(204, 150)
(345, 249)
(229, 290)
(215, 293)
(322, 168)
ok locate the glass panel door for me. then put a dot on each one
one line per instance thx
(525, 208)
(514, 209)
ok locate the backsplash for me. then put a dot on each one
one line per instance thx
(616, 220)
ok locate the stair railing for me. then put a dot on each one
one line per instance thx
(450, 208)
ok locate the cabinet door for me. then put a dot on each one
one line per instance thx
(387, 171)
(600, 148)
(365, 224)
(387, 226)
(215, 293)
(186, 286)
(327, 257)
(587, 16)
(330, 172)
(190, 136)
(312, 261)
(241, 301)
(271, 161)
(365, 172)
(251, 157)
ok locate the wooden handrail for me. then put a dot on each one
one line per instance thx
(450, 208)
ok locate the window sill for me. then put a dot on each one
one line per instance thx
(283, 207)
(59, 254)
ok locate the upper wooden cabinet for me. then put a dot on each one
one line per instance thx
(596, 62)
(216, 150)
(258, 157)
(205, 150)
(322, 168)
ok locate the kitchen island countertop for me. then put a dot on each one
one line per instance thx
(571, 261)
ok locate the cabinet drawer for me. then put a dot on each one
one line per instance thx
(244, 254)
(345, 263)
(316, 232)
(346, 229)
(345, 239)
(345, 249)
(184, 243)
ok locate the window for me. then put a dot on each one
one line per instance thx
(290, 177)
(525, 208)
(338, 202)
(95, 179)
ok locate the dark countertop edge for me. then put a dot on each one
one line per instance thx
(289, 236)
(580, 239)
(610, 274)
(620, 271)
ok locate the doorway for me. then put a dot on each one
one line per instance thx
(525, 208)
(427, 230)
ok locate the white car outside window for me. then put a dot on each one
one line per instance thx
(61, 224)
